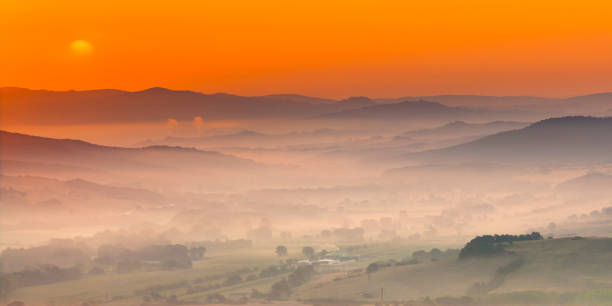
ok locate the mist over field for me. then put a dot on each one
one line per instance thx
(163, 197)
(305, 153)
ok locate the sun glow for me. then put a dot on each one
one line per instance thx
(81, 47)
(318, 48)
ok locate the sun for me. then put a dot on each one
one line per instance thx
(81, 47)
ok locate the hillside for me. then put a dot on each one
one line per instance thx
(26, 148)
(555, 140)
(29, 193)
(591, 183)
(462, 129)
(558, 265)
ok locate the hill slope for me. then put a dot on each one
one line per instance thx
(462, 129)
(26, 148)
(556, 140)
(557, 265)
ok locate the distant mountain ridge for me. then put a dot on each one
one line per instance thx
(576, 139)
(415, 110)
(591, 103)
(25, 106)
(154, 104)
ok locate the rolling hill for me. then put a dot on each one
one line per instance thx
(26, 191)
(463, 129)
(556, 140)
(555, 266)
(68, 152)
(591, 183)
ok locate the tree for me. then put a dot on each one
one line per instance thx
(197, 253)
(300, 276)
(308, 251)
(488, 245)
(281, 250)
(373, 267)
(435, 254)
(280, 290)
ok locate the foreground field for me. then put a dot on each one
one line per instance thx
(133, 288)
(575, 271)
(120, 289)
(571, 270)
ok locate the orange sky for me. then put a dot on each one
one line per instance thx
(322, 48)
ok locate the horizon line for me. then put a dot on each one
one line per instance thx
(307, 96)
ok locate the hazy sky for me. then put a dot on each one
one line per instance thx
(322, 48)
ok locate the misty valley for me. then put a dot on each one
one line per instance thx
(164, 197)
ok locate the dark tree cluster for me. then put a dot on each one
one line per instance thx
(308, 251)
(373, 267)
(493, 244)
(273, 271)
(433, 255)
(300, 276)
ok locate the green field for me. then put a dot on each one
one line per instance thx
(557, 271)
(122, 289)
(568, 270)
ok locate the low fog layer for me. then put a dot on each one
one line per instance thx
(364, 179)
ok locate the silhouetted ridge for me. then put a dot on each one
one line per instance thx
(155, 104)
(568, 139)
(573, 122)
(20, 147)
